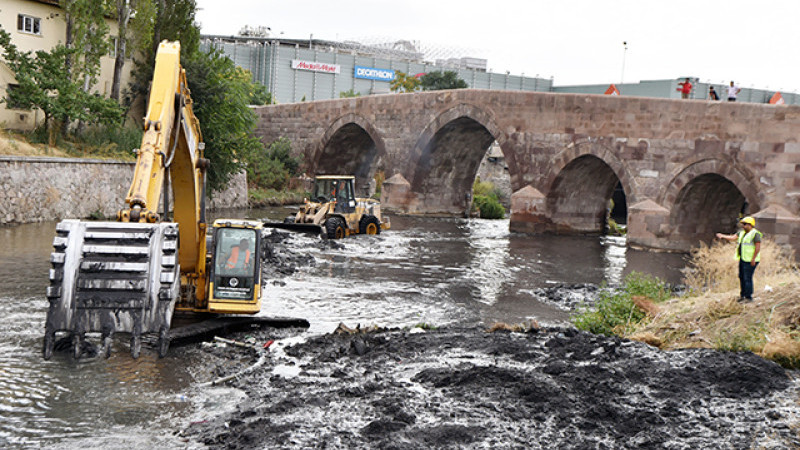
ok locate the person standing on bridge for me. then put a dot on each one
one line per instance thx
(733, 91)
(748, 253)
(685, 88)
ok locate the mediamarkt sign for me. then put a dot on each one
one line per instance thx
(371, 73)
(299, 64)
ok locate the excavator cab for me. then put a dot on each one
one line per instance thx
(235, 279)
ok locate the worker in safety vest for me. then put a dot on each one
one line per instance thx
(239, 256)
(748, 253)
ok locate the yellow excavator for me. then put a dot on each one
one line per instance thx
(129, 276)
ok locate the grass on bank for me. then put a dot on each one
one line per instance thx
(709, 315)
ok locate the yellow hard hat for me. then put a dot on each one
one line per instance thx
(749, 220)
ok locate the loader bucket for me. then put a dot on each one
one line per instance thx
(298, 227)
(112, 277)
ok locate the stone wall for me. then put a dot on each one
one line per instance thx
(43, 189)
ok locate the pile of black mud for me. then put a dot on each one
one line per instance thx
(285, 253)
(468, 388)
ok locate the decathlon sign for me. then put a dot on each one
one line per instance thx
(371, 73)
(299, 64)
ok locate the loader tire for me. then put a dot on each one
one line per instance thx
(334, 227)
(369, 225)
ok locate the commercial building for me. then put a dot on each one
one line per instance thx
(295, 70)
(40, 25)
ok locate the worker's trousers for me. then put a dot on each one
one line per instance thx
(746, 279)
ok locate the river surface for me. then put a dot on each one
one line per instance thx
(423, 270)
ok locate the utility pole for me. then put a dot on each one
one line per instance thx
(624, 53)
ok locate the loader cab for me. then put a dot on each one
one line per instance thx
(235, 281)
(341, 189)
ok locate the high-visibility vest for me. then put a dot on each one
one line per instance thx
(234, 258)
(748, 247)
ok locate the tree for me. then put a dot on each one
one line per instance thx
(135, 23)
(87, 34)
(173, 20)
(44, 82)
(404, 83)
(436, 81)
(221, 93)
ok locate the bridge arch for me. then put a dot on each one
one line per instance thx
(707, 197)
(446, 158)
(579, 184)
(350, 145)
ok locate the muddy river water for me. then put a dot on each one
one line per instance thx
(437, 271)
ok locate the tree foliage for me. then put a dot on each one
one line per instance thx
(221, 93)
(435, 81)
(44, 82)
(404, 82)
(273, 168)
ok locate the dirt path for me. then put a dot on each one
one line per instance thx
(467, 388)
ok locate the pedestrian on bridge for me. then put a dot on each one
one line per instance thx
(685, 88)
(748, 253)
(733, 91)
(712, 94)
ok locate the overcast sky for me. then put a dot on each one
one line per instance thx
(755, 43)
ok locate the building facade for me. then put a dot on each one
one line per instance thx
(295, 70)
(307, 70)
(40, 25)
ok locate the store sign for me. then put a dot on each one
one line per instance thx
(299, 64)
(371, 73)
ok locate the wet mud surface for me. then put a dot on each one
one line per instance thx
(464, 387)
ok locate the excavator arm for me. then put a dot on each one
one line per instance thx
(127, 276)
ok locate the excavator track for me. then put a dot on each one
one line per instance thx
(112, 277)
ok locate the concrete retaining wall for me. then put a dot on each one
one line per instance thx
(43, 189)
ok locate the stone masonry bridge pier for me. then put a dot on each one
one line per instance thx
(688, 168)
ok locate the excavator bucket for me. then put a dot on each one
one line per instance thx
(112, 277)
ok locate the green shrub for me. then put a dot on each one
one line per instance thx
(489, 207)
(486, 199)
(614, 311)
(273, 168)
(637, 283)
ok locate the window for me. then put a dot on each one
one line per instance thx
(28, 24)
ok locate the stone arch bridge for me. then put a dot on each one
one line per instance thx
(687, 168)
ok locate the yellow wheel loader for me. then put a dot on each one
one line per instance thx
(334, 211)
(129, 276)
